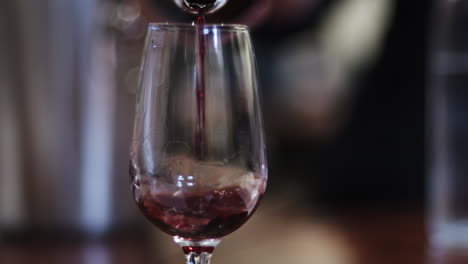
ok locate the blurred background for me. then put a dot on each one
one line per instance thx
(343, 86)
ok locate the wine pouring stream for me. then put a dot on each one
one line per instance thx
(200, 8)
(195, 197)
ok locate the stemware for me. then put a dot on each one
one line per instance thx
(198, 177)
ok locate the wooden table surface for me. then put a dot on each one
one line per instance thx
(393, 236)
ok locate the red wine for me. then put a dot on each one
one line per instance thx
(200, 149)
(204, 215)
(201, 7)
(198, 249)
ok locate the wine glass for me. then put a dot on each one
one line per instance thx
(198, 167)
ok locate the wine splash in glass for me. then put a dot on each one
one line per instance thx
(198, 165)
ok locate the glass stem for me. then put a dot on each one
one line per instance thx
(198, 258)
(197, 251)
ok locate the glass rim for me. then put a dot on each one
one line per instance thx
(193, 26)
